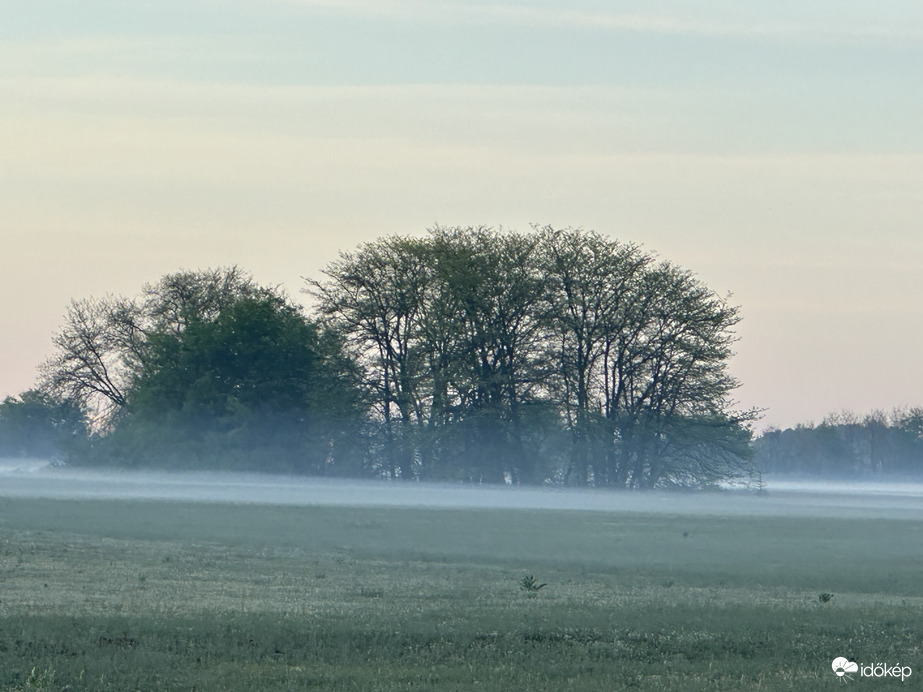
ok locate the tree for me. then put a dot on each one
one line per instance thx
(374, 297)
(446, 328)
(209, 368)
(492, 279)
(257, 386)
(670, 372)
(472, 337)
(640, 349)
(92, 363)
(591, 281)
(35, 425)
(195, 296)
(101, 346)
(847, 445)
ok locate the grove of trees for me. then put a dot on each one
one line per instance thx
(561, 354)
(846, 445)
(207, 369)
(470, 354)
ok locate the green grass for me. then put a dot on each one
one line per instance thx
(148, 595)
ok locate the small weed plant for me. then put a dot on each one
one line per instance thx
(530, 585)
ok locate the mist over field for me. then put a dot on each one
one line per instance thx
(781, 497)
(151, 580)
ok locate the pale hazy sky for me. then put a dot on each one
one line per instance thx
(776, 149)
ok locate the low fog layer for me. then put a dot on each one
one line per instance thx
(38, 480)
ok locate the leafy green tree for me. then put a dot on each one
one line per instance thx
(670, 370)
(209, 368)
(257, 386)
(100, 347)
(177, 299)
(447, 330)
(640, 349)
(493, 279)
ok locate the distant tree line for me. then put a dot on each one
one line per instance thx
(470, 354)
(845, 445)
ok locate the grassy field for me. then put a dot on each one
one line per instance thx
(151, 595)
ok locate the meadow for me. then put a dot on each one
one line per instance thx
(168, 595)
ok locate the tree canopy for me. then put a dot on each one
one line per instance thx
(472, 354)
(558, 354)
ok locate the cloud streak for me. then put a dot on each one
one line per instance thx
(827, 28)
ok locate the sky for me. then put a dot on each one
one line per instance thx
(774, 149)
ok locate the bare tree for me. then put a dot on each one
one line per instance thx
(91, 365)
(174, 300)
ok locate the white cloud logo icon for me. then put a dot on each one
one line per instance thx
(841, 666)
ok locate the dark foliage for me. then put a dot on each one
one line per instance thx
(257, 386)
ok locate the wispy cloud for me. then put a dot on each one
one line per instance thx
(705, 21)
(573, 119)
(126, 127)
